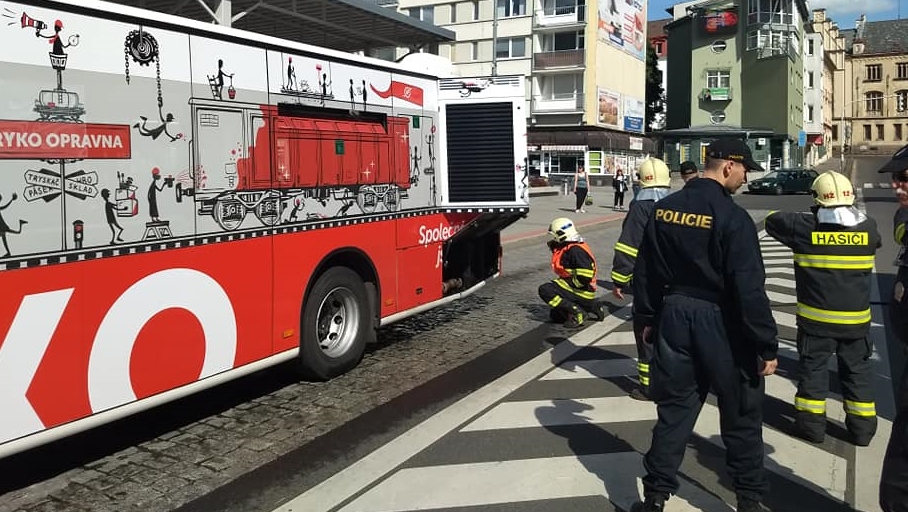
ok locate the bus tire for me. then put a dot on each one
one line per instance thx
(336, 324)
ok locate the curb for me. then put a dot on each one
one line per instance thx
(543, 232)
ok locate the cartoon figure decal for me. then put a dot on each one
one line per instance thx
(216, 82)
(111, 212)
(4, 227)
(143, 48)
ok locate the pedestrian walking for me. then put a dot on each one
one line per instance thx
(581, 188)
(573, 291)
(894, 477)
(699, 292)
(655, 182)
(689, 171)
(619, 183)
(834, 247)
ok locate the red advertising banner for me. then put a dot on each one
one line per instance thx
(403, 91)
(32, 140)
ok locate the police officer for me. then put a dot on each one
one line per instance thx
(894, 477)
(573, 292)
(834, 248)
(699, 290)
(655, 181)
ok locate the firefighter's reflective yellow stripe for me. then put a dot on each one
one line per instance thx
(620, 278)
(644, 380)
(584, 294)
(626, 249)
(900, 233)
(833, 261)
(643, 367)
(811, 406)
(556, 300)
(583, 272)
(860, 408)
(828, 316)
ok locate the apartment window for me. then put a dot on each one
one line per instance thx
(716, 78)
(474, 50)
(809, 117)
(835, 133)
(873, 101)
(879, 132)
(898, 131)
(561, 87)
(901, 101)
(453, 13)
(901, 71)
(475, 10)
(659, 46)
(873, 72)
(810, 47)
(563, 41)
(425, 13)
(867, 132)
(510, 48)
(769, 11)
(810, 79)
(508, 8)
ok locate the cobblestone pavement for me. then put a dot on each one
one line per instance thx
(199, 454)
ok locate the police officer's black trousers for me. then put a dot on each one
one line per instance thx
(562, 300)
(855, 374)
(894, 478)
(644, 355)
(690, 354)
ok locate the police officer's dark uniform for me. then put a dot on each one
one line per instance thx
(655, 180)
(834, 248)
(574, 290)
(699, 284)
(894, 477)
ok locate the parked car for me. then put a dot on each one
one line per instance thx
(783, 181)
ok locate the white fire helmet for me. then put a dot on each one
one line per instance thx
(832, 189)
(562, 230)
(654, 173)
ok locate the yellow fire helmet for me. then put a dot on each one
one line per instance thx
(562, 230)
(654, 173)
(832, 189)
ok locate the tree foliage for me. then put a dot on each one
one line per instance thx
(655, 96)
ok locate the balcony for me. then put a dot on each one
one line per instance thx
(559, 59)
(560, 15)
(558, 103)
(715, 94)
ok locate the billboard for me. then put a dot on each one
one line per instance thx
(719, 21)
(622, 24)
(609, 107)
(634, 113)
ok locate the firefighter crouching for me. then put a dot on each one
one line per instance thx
(573, 292)
(834, 247)
(655, 181)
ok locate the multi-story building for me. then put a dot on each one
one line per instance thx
(659, 41)
(824, 50)
(873, 106)
(735, 70)
(585, 65)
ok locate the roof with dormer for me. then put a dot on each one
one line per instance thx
(880, 37)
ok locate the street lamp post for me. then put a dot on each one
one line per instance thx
(842, 126)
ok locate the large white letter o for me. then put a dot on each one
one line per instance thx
(109, 383)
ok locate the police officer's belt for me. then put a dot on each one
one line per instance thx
(695, 293)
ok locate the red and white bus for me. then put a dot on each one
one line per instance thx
(182, 204)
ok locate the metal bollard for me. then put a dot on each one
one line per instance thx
(565, 188)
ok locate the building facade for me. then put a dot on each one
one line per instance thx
(736, 70)
(873, 106)
(824, 53)
(585, 66)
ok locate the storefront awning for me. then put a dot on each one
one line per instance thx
(562, 148)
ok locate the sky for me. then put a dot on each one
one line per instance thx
(843, 12)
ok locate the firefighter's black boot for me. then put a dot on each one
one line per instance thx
(651, 504)
(558, 316)
(599, 310)
(575, 320)
(746, 505)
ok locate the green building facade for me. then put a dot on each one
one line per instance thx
(735, 70)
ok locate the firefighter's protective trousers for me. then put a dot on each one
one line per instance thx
(692, 353)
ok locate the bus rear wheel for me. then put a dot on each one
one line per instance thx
(336, 325)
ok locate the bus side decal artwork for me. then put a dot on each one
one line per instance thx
(109, 380)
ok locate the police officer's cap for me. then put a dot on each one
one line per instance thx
(735, 150)
(898, 163)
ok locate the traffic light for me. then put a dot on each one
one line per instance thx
(77, 233)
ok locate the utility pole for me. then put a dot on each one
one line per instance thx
(495, 38)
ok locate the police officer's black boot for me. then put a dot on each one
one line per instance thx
(651, 504)
(746, 505)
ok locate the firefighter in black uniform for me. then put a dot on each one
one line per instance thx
(834, 247)
(894, 477)
(655, 181)
(573, 292)
(699, 290)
